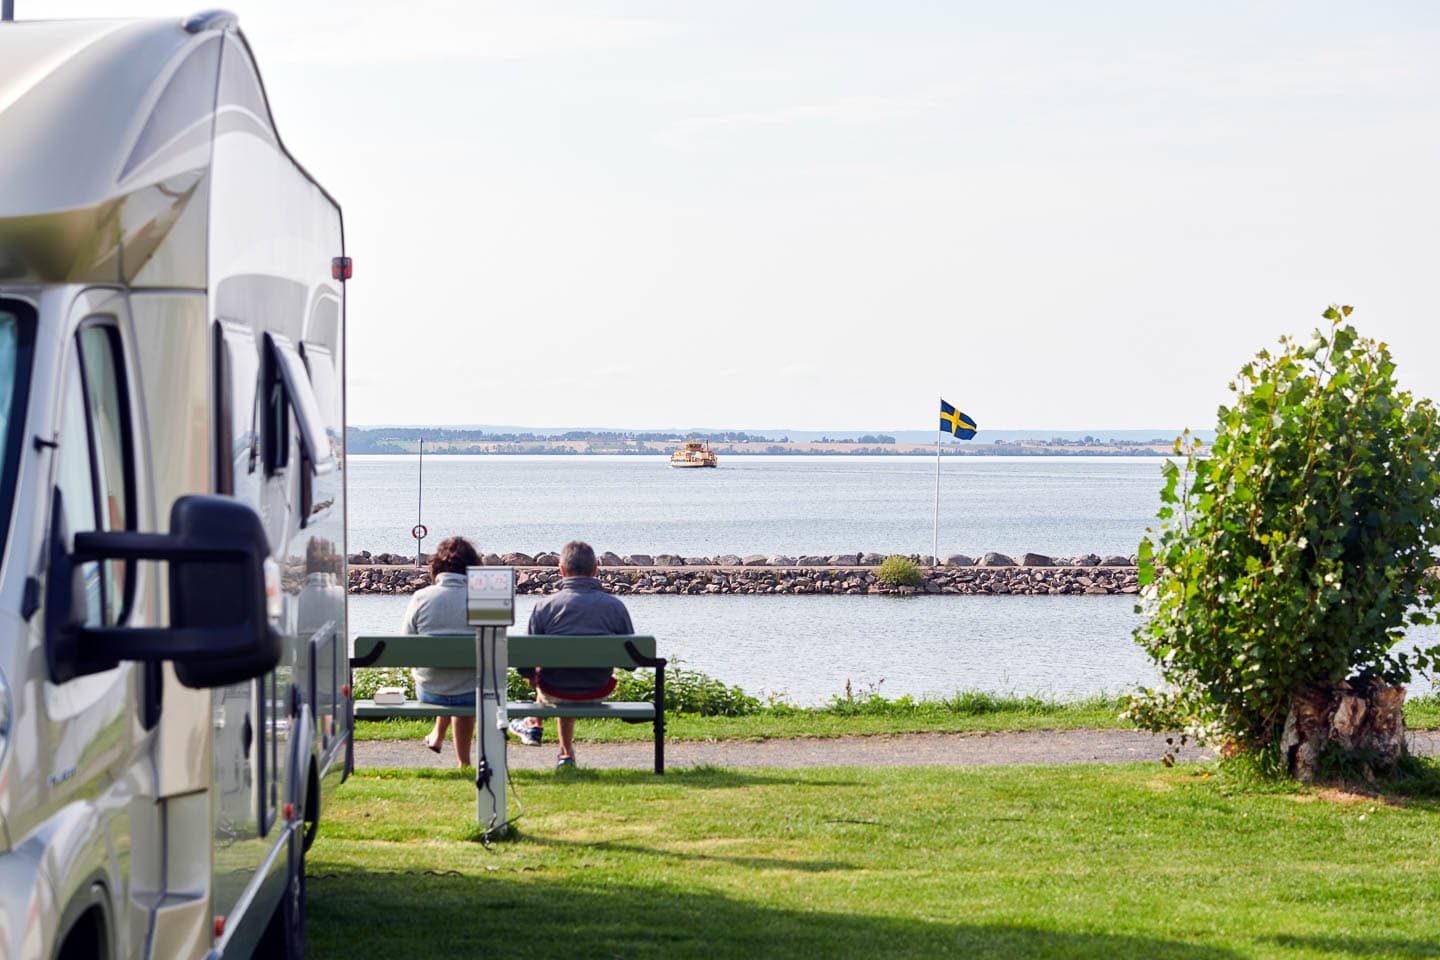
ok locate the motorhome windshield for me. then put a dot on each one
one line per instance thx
(17, 336)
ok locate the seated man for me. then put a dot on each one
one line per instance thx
(580, 608)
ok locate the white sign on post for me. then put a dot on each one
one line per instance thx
(490, 596)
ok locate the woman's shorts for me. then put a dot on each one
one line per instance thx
(444, 699)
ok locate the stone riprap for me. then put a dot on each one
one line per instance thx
(847, 574)
(608, 559)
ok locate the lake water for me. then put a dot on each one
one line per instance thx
(1061, 506)
(806, 648)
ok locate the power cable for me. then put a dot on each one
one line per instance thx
(484, 772)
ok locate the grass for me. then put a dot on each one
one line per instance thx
(989, 862)
(1423, 713)
(966, 712)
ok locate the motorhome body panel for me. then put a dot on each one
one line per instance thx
(273, 236)
(78, 782)
(79, 96)
(172, 350)
(154, 198)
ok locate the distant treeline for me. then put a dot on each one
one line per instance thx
(404, 439)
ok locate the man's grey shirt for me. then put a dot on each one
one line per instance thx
(581, 608)
(440, 609)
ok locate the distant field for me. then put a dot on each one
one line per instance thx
(657, 448)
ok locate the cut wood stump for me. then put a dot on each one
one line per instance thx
(1363, 717)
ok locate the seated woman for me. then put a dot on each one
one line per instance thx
(440, 609)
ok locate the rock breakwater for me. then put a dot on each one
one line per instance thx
(608, 559)
(1099, 577)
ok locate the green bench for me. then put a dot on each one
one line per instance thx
(526, 650)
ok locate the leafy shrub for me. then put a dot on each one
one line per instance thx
(899, 571)
(689, 692)
(686, 691)
(367, 680)
(1297, 551)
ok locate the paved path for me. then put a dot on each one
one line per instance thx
(906, 750)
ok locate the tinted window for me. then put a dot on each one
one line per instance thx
(93, 466)
(17, 331)
(277, 413)
(105, 399)
(76, 482)
(288, 389)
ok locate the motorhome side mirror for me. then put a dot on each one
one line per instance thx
(219, 630)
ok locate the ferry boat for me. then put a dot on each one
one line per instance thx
(694, 454)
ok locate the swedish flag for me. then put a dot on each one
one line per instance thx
(954, 422)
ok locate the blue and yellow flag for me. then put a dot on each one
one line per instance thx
(955, 423)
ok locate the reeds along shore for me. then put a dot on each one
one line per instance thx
(975, 580)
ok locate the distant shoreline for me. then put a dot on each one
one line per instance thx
(570, 448)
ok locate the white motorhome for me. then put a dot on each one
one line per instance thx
(173, 670)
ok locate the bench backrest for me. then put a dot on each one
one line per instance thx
(526, 650)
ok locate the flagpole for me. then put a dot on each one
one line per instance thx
(935, 556)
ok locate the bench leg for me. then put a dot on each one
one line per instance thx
(660, 718)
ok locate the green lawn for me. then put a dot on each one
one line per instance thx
(964, 714)
(1423, 713)
(1075, 861)
(803, 723)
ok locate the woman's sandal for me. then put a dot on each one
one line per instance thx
(432, 747)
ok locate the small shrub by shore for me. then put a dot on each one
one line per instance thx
(899, 571)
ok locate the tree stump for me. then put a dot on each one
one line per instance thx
(1363, 717)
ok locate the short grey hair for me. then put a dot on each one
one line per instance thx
(578, 557)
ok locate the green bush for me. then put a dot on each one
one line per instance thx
(899, 571)
(367, 680)
(688, 692)
(1296, 552)
(516, 687)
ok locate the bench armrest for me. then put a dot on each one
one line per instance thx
(376, 652)
(641, 659)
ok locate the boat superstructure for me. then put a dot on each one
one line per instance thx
(695, 453)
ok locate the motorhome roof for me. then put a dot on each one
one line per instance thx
(74, 93)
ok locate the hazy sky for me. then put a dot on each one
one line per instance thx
(825, 214)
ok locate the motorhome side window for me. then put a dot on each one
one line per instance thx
(93, 468)
(288, 391)
(17, 343)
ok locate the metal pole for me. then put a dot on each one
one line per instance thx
(420, 501)
(935, 557)
(492, 657)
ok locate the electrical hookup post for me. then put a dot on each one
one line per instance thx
(490, 609)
